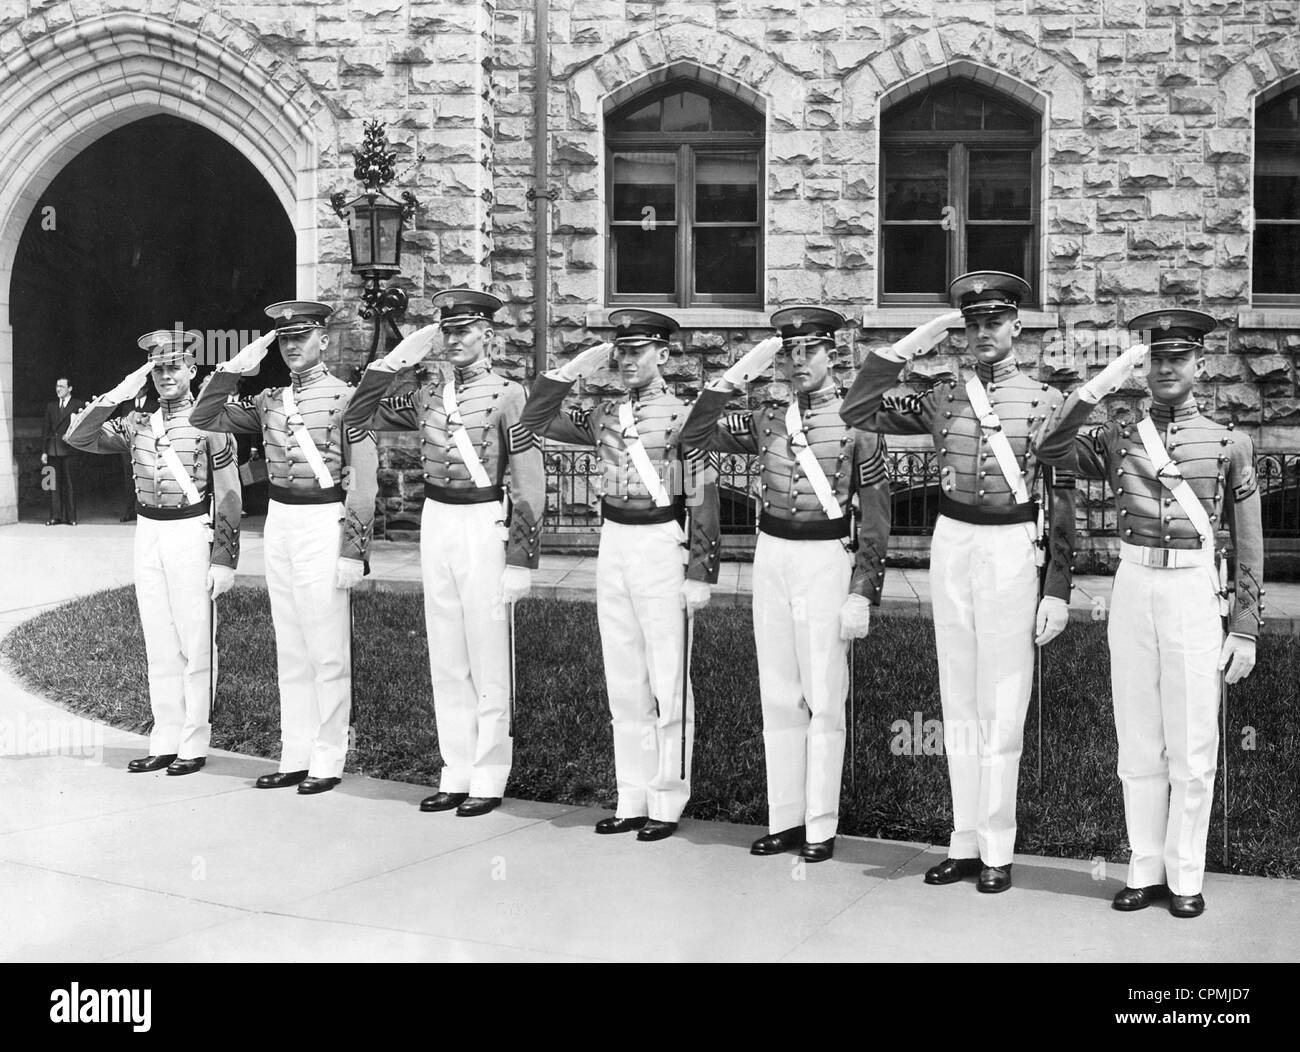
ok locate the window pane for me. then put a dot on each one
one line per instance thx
(726, 260)
(1277, 259)
(916, 259)
(957, 111)
(726, 188)
(914, 114)
(645, 119)
(645, 260)
(916, 183)
(998, 117)
(645, 181)
(732, 116)
(1281, 112)
(1277, 181)
(1000, 185)
(687, 112)
(999, 248)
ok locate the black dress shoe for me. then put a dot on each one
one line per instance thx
(951, 870)
(280, 779)
(187, 766)
(819, 851)
(443, 801)
(478, 805)
(656, 830)
(1131, 899)
(1186, 905)
(311, 786)
(150, 763)
(620, 825)
(775, 843)
(994, 879)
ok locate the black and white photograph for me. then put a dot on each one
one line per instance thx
(613, 481)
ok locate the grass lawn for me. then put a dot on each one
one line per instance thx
(89, 656)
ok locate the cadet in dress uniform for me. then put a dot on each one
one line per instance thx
(186, 540)
(1178, 477)
(649, 486)
(478, 547)
(811, 597)
(318, 525)
(985, 556)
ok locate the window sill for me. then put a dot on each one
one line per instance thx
(692, 317)
(911, 317)
(1268, 318)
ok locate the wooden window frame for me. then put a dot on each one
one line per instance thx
(958, 144)
(1281, 136)
(687, 146)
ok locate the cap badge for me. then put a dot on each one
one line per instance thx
(978, 285)
(796, 320)
(1164, 321)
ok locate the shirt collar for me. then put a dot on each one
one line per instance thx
(471, 372)
(1164, 414)
(306, 379)
(172, 406)
(998, 372)
(825, 394)
(652, 390)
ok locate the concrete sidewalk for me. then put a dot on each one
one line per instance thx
(100, 865)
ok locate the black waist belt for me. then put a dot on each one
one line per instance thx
(980, 516)
(800, 530)
(650, 516)
(191, 511)
(463, 494)
(288, 495)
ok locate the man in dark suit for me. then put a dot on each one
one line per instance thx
(57, 454)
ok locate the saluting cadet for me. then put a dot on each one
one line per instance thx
(478, 546)
(1178, 478)
(186, 540)
(645, 595)
(811, 596)
(318, 526)
(985, 556)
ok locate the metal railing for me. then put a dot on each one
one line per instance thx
(573, 483)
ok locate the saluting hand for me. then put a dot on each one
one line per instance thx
(754, 362)
(1113, 377)
(412, 350)
(923, 337)
(129, 385)
(1238, 657)
(586, 362)
(1053, 615)
(250, 356)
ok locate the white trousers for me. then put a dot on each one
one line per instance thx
(311, 636)
(1165, 637)
(799, 587)
(639, 573)
(462, 556)
(171, 579)
(984, 590)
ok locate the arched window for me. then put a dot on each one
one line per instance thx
(1275, 261)
(684, 203)
(959, 177)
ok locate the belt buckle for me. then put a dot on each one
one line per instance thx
(989, 423)
(1170, 476)
(799, 440)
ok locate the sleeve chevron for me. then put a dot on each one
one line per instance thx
(519, 439)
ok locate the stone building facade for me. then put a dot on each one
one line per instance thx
(1141, 195)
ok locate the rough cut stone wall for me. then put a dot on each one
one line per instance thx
(1147, 111)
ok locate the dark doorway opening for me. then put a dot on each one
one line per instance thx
(159, 223)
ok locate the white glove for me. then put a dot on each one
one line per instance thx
(1113, 376)
(220, 580)
(516, 582)
(412, 350)
(129, 385)
(753, 363)
(585, 363)
(249, 359)
(695, 595)
(348, 573)
(1238, 657)
(855, 617)
(1053, 614)
(922, 338)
